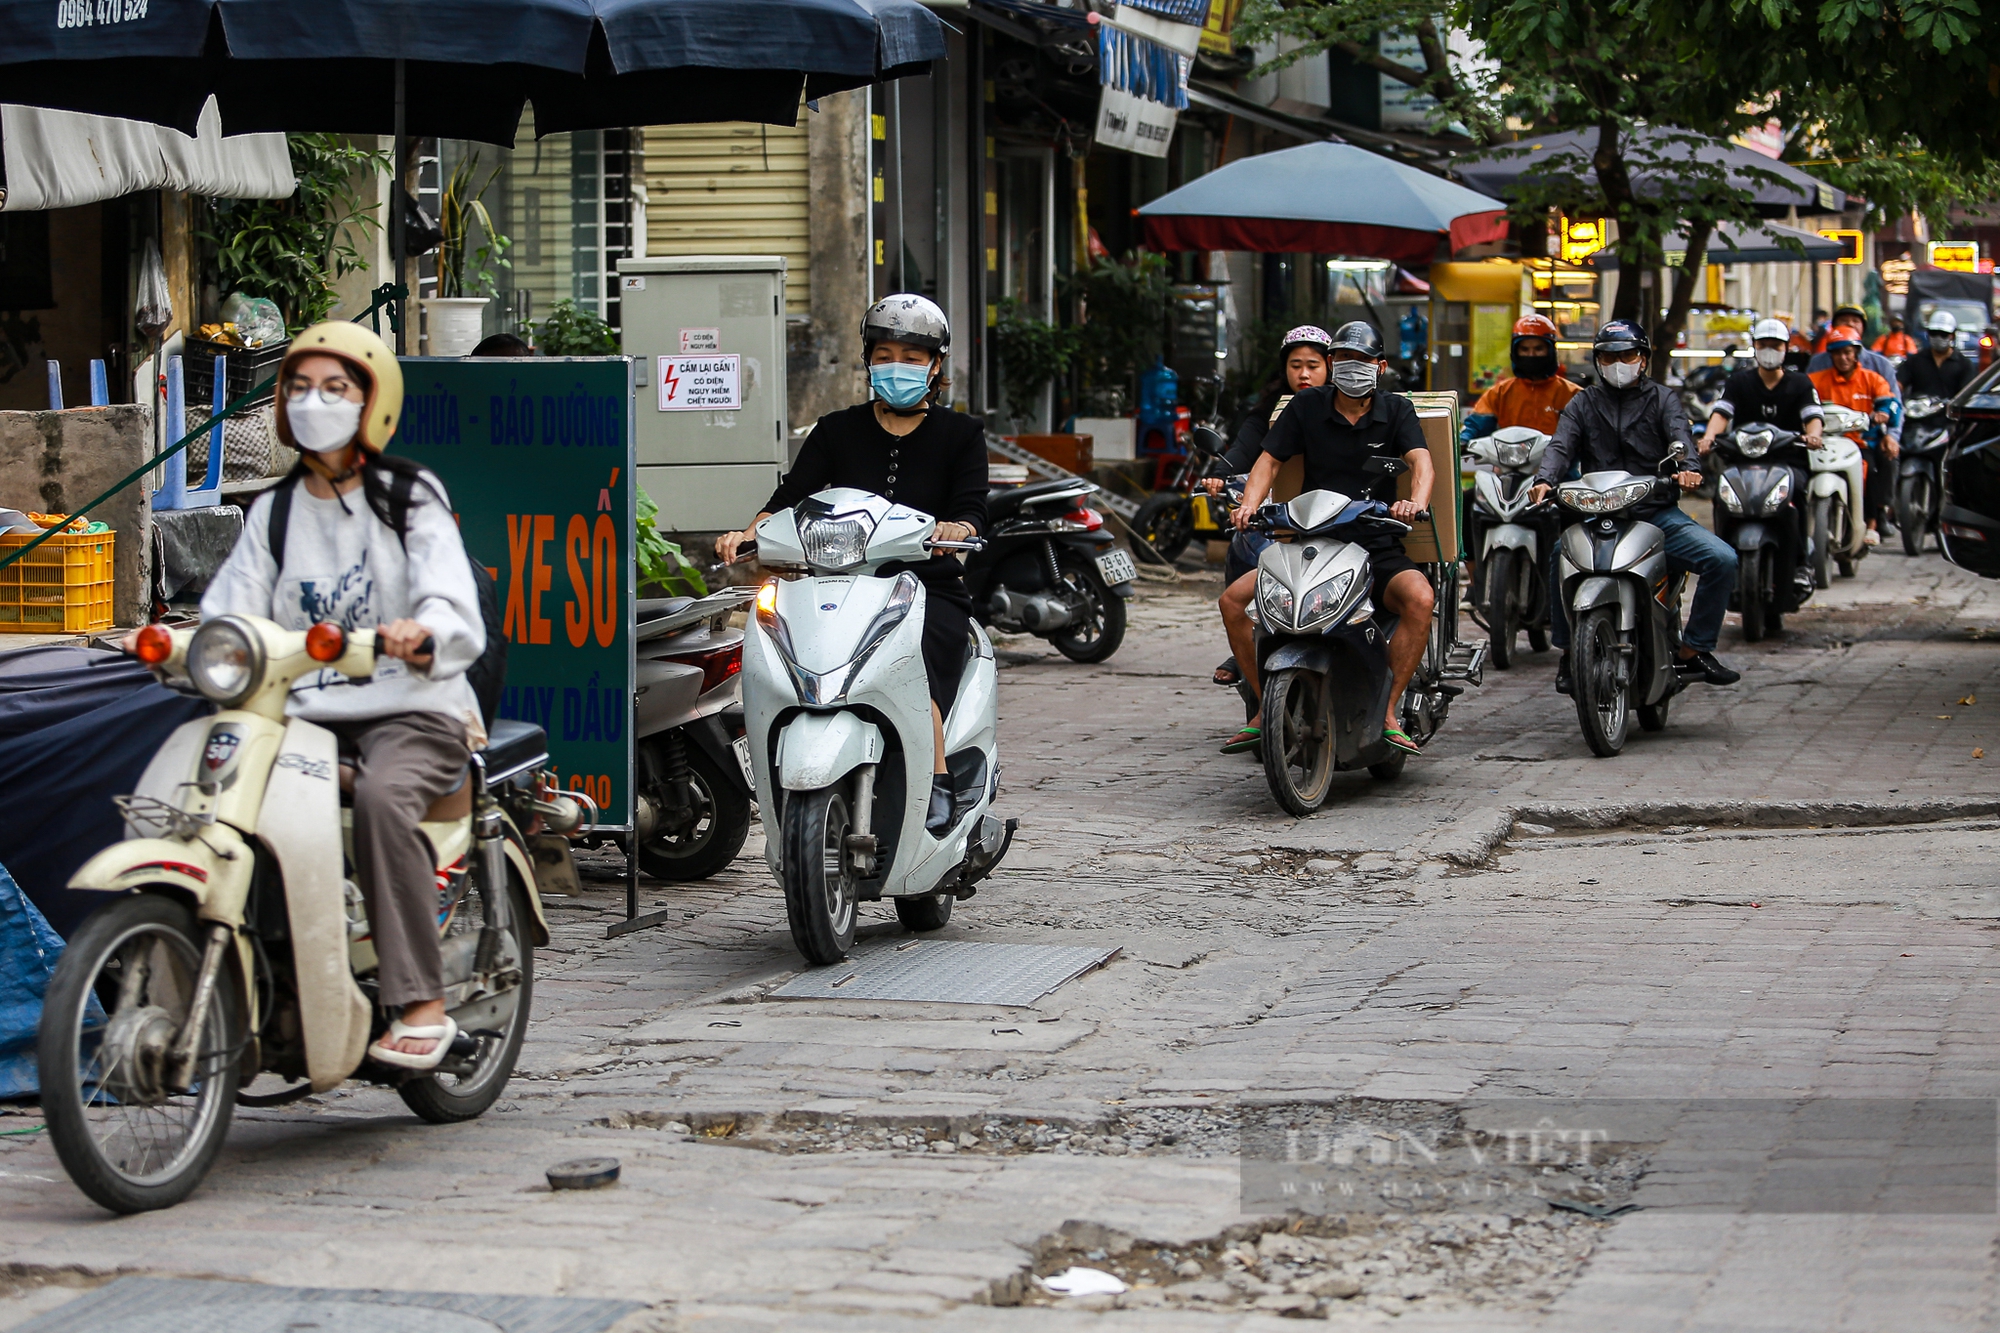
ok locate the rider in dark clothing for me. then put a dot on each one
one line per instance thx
(1926, 373)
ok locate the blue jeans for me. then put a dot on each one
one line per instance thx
(1690, 548)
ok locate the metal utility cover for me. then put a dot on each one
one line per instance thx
(947, 972)
(134, 1305)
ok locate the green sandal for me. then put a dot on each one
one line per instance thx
(1400, 739)
(1247, 739)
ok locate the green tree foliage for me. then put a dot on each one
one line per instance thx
(1122, 316)
(572, 331)
(1032, 352)
(293, 250)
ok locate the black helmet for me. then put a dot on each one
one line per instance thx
(1621, 335)
(1358, 335)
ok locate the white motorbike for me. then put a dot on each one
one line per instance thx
(1838, 474)
(237, 941)
(1510, 532)
(838, 719)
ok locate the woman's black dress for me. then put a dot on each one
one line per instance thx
(939, 469)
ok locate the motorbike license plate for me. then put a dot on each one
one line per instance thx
(741, 747)
(1116, 567)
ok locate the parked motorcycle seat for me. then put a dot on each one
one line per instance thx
(1009, 499)
(512, 746)
(655, 608)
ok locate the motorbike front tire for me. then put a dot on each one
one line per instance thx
(1297, 732)
(1167, 524)
(821, 897)
(924, 911)
(1751, 593)
(1822, 541)
(87, 1133)
(1653, 717)
(1500, 580)
(1102, 628)
(705, 850)
(1603, 707)
(448, 1099)
(1912, 512)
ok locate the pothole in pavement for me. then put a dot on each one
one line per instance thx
(1138, 1131)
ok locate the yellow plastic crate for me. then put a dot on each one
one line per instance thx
(62, 586)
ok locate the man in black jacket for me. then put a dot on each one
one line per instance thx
(1628, 423)
(1940, 370)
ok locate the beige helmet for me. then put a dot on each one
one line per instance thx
(367, 353)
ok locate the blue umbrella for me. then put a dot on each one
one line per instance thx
(1325, 198)
(463, 68)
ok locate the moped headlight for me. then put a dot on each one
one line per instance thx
(1325, 599)
(1727, 494)
(1276, 599)
(1581, 498)
(1778, 495)
(1511, 454)
(1628, 493)
(835, 543)
(1754, 444)
(225, 661)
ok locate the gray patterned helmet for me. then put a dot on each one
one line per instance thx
(906, 318)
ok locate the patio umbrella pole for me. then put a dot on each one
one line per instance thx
(396, 210)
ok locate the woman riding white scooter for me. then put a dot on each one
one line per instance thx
(340, 392)
(904, 446)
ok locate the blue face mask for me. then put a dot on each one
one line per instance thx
(899, 385)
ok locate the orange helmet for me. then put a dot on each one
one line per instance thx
(1534, 326)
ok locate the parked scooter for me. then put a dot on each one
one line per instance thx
(1511, 533)
(1183, 512)
(1838, 473)
(1758, 513)
(839, 724)
(1624, 608)
(1919, 492)
(692, 778)
(236, 943)
(1323, 650)
(1050, 569)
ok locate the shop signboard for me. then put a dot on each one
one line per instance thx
(537, 457)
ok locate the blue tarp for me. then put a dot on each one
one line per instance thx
(29, 948)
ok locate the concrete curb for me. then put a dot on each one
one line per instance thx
(1472, 838)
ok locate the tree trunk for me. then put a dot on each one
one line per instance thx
(1634, 251)
(1677, 308)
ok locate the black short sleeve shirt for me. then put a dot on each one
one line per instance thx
(1337, 452)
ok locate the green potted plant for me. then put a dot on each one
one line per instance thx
(454, 319)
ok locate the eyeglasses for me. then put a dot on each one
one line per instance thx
(335, 390)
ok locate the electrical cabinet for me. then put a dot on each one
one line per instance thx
(707, 338)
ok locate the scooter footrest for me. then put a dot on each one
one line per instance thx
(1466, 661)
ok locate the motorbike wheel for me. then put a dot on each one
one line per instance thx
(924, 911)
(1653, 717)
(1602, 705)
(821, 901)
(1097, 624)
(1500, 579)
(1912, 508)
(128, 1142)
(465, 1089)
(1822, 541)
(722, 822)
(1389, 769)
(1298, 741)
(1751, 594)
(1167, 524)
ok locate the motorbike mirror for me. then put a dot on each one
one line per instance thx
(1207, 439)
(153, 645)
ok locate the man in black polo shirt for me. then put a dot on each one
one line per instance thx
(1769, 393)
(1340, 427)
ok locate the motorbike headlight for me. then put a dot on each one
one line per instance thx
(1513, 453)
(1325, 599)
(1754, 444)
(1727, 494)
(1276, 600)
(835, 543)
(1581, 498)
(1775, 499)
(225, 661)
(1586, 501)
(1929, 405)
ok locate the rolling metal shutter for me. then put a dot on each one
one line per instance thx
(732, 188)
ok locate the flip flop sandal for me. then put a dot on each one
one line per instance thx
(1397, 737)
(1247, 739)
(442, 1034)
(1228, 673)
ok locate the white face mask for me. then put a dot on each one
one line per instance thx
(1770, 358)
(1619, 374)
(1356, 379)
(321, 426)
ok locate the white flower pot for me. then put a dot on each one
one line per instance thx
(453, 324)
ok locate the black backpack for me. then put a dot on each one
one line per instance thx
(489, 672)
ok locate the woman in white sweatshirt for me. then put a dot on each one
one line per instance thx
(340, 392)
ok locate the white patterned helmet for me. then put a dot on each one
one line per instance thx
(906, 318)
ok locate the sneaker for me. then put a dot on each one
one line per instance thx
(1802, 581)
(1872, 538)
(1707, 667)
(1562, 674)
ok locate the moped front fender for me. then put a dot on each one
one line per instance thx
(1750, 536)
(1600, 590)
(817, 749)
(1513, 536)
(1825, 485)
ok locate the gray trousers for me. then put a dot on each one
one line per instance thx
(406, 762)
